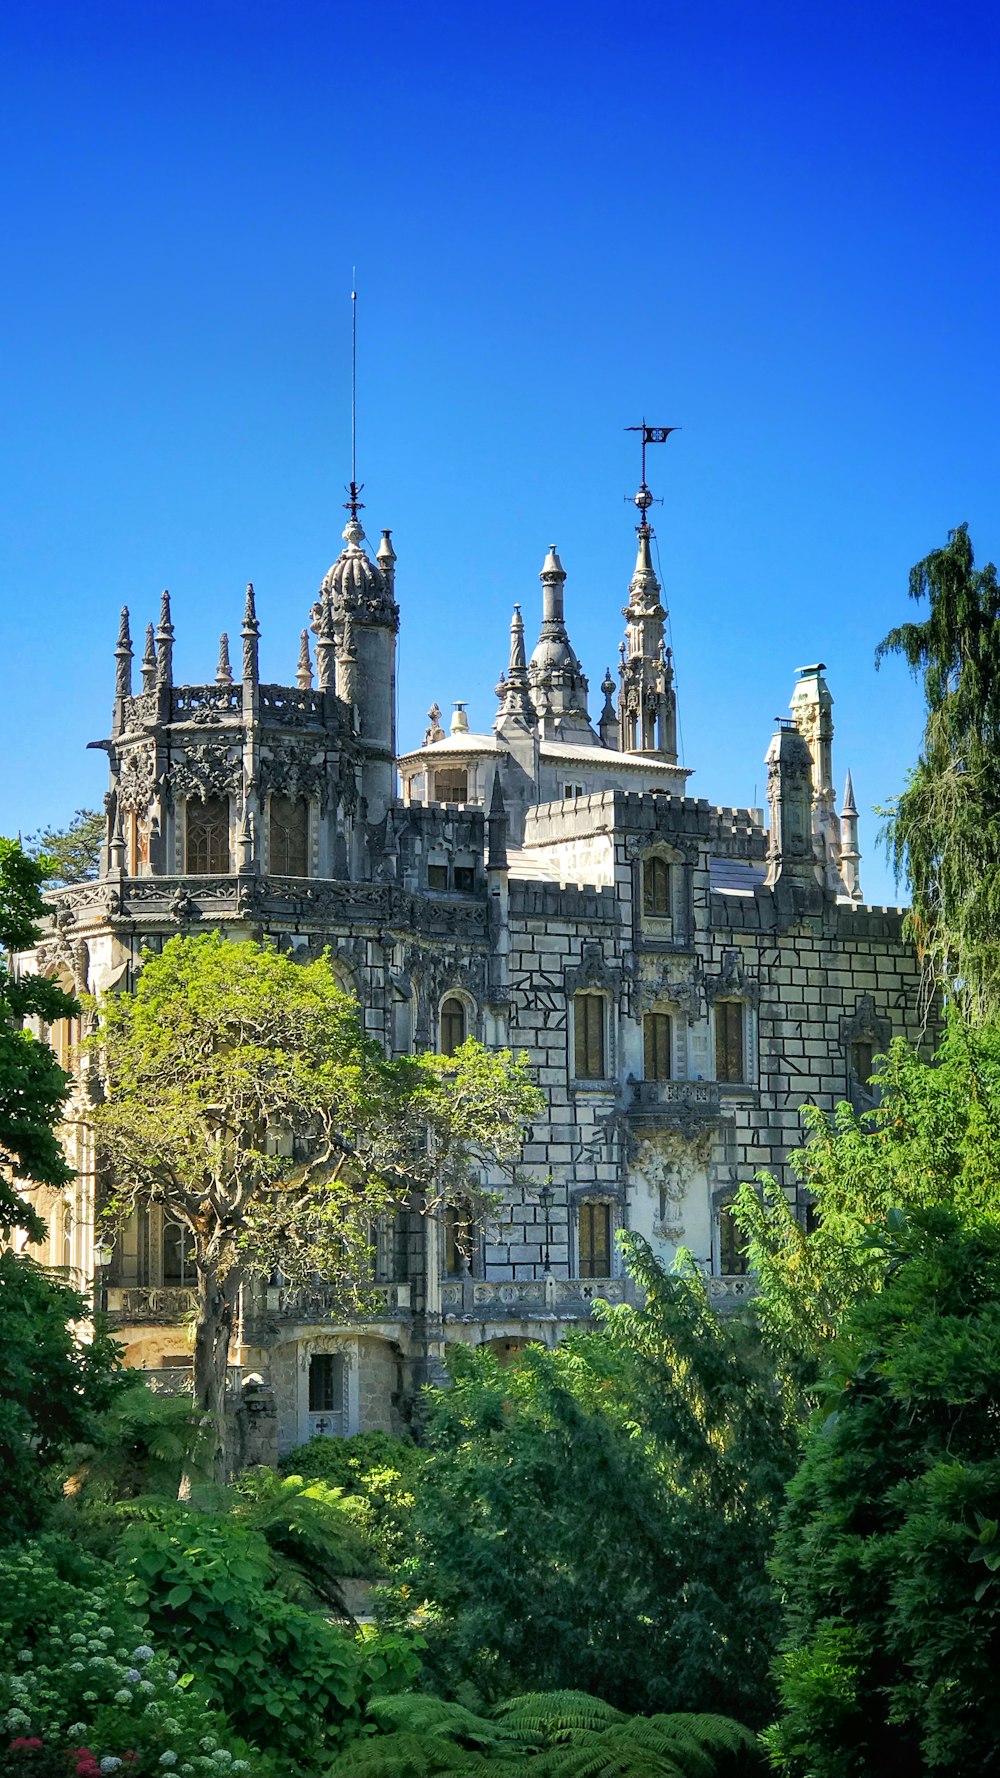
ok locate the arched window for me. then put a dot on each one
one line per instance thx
(730, 1057)
(178, 1254)
(588, 1036)
(732, 1257)
(207, 836)
(453, 1022)
(593, 1230)
(657, 1037)
(288, 836)
(656, 888)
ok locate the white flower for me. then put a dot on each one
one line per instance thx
(222, 1758)
(24, 1654)
(142, 1653)
(124, 1696)
(109, 1763)
(76, 1729)
(209, 1744)
(241, 1765)
(77, 1641)
(133, 1675)
(105, 1631)
(90, 1697)
(147, 1686)
(16, 1719)
(169, 1758)
(171, 1676)
(77, 1667)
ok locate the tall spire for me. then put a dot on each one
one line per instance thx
(516, 708)
(304, 672)
(165, 643)
(149, 660)
(647, 705)
(607, 728)
(556, 680)
(850, 856)
(224, 671)
(123, 658)
(251, 638)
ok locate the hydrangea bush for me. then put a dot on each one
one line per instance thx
(84, 1692)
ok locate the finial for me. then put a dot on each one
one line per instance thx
(850, 806)
(304, 672)
(434, 732)
(123, 658)
(149, 661)
(165, 642)
(116, 850)
(224, 672)
(608, 684)
(251, 636)
(496, 823)
(459, 721)
(552, 567)
(644, 499)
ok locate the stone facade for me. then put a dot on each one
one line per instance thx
(683, 977)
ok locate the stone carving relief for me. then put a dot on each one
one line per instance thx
(732, 981)
(207, 770)
(865, 1026)
(686, 994)
(676, 848)
(136, 781)
(287, 770)
(593, 971)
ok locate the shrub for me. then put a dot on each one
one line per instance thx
(378, 1475)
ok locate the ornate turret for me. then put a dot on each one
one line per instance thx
(850, 857)
(123, 658)
(149, 671)
(607, 728)
(647, 706)
(557, 682)
(516, 709)
(165, 643)
(355, 620)
(224, 671)
(812, 713)
(789, 794)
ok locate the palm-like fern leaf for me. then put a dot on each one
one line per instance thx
(417, 1713)
(557, 1715)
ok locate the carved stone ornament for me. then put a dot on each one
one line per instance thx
(288, 770)
(207, 770)
(732, 982)
(182, 907)
(687, 995)
(136, 781)
(669, 1159)
(594, 972)
(675, 848)
(865, 1026)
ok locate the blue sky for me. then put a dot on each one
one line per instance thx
(771, 225)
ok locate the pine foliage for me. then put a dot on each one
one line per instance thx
(944, 830)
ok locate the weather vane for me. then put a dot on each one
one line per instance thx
(650, 435)
(353, 503)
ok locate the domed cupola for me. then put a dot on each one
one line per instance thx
(357, 586)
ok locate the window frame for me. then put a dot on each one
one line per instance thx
(733, 1021)
(448, 1000)
(588, 1248)
(299, 806)
(332, 1365)
(212, 836)
(591, 1027)
(727, 1235)
(652, 866)
(652, 1023)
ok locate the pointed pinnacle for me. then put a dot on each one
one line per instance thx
(224, 672)
(304, 672)
(250, 624)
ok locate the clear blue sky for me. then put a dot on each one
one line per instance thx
(772, 225)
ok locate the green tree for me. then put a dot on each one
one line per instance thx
(600, 1515)
(71, 854)
(934, 1138)
(244, 1096)
(944, 830)
(889, 1556)
(33, 1087)
(54, 1387)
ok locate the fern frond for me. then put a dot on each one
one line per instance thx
(556, 1715)
(419, 1714)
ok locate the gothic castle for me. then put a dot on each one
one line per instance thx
(683, 977)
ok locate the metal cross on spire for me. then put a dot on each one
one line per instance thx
(354, 504)
(650, 435)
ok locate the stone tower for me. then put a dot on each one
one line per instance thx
(647, 704)
(356, 620)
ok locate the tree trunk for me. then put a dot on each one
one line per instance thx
(211, 1356)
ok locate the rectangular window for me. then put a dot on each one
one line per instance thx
(288, 836)
(594, 1225)
(451, 785)
(729, 1059)
(437, 876)
(657, 1035)
(656, 888)
(465, 878)
(207, 836)
(732, 1257)
(588, 1036)
(326, 1383)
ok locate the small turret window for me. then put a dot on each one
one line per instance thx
(594, 1240)
(588, 1036)
(208, 836)
(288, 836)
(451, 786)
(452, 1025)
(656, 888)
(730, 1059)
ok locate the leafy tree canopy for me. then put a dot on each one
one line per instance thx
(944, 830)
(54, 1387)
(934, 1138)
(889, 1554)
(33, 1088)
(598, 1515)
(245, 1097)
(70, 854)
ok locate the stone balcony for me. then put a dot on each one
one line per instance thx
(562, 1299)
(162, 1303)
(689, 1106)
